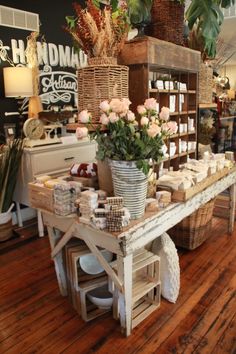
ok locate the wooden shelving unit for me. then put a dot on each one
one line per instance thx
(151, 59)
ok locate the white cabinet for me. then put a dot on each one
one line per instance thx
(50, 159)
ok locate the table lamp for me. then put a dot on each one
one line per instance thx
(18, 83)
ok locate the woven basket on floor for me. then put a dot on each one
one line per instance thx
(192, 231)
(167, 21)
(101, 82)
(205, 83)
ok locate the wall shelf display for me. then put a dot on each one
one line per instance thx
(151, 61)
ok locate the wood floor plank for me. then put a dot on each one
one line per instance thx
(191, 330)
(35, 318)
(24, 338)
(227, 342)
(218, 317)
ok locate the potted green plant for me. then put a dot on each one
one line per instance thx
(139, 12)
(10, 158)
(205, 18)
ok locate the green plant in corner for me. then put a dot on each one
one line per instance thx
(205, 18)
(10, 158)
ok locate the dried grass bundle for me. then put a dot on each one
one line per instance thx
(32, 60)
(99, 32)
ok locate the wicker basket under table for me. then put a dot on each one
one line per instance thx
(97, 83)
(192, 231)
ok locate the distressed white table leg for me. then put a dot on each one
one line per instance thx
(54, 236)
(232, 191)
(19, 216)
(124, 265)
(40, 224)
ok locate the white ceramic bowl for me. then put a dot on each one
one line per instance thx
(89, 263)
(101, 297)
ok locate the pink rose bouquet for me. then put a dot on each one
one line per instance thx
(123, 137)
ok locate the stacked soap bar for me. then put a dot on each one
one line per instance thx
(65, 195)
(164, 198)
(88, 202)
(115, 216)
(112, 216)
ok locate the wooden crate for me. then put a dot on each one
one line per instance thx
(41, 197)
(88, 310)
(183, 196)
(146, 289)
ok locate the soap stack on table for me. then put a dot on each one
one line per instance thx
(88, 202)
(164, 198)
(115, 213)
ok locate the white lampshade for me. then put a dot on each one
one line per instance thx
(18, 81)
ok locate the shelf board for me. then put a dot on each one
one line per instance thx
(207, 105)
(174, 157)
(183, 154)
(143, 309)
(228, 117)
(182, 113)
(144, 259)
(154, 90)
(141, 286)
(191, 151)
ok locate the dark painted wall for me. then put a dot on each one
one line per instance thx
(52, 18)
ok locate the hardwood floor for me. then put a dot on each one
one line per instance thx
(35, 318)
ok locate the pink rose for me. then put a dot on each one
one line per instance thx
(118, 106)
(104, 106)
(141, 110)
(165, 113)
(113, 117)
(144, 121)
(173, 127)
(84, 116)
(81, 132)
(126, 102)
(104, 119)
(153, 130)
(130, 116)
(150, 104)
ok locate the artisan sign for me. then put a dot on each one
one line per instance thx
(55, 85)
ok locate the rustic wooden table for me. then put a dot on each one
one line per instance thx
(124, 244)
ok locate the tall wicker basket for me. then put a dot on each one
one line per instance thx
(192, 231)
(205, 84)
(101, 82)
(167, 21)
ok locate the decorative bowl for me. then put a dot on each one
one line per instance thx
(89, 263)
(101, 297)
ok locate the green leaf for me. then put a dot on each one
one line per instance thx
(96, 3)
(114, 5)
(207, 16)
(139, 11)
(71, 21)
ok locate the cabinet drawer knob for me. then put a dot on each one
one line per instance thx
(68, 158)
